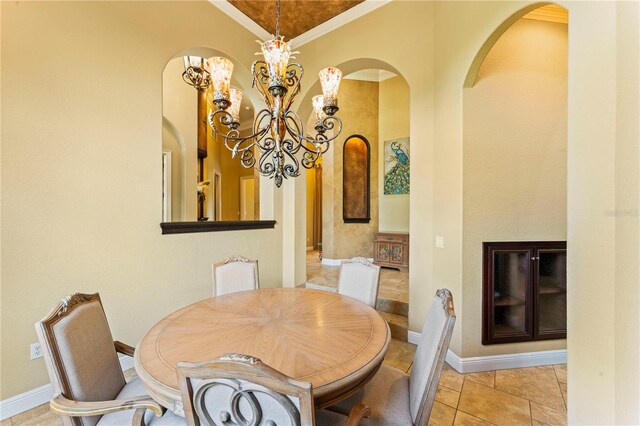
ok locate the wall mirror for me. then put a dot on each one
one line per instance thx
(355, 175)
(201, 182)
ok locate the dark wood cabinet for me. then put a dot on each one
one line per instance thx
(524, 291)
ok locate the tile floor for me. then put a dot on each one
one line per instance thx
(394, 285)
(524, 396)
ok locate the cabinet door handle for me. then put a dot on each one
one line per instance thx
(535, 258)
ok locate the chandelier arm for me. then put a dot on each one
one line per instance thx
(233, 135)
(290, 147)
(264, 167)
(257, 141)
(260, 81)
(329, 123)
(247, 158)
(295, 71)
(312, 150)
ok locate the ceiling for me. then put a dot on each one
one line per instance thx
(296, 17)
(374, 75)
(549, 13)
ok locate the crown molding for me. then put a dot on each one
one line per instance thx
(367, 6)
(344, 18)
(242, 19)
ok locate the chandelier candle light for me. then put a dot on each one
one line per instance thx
(278, 133)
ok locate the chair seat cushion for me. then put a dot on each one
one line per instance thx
(387, 395)
(123, 418)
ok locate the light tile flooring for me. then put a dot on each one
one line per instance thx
(523, 396)
(394, 285)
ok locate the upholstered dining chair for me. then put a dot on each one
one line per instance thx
(88, 382)
(397, 398)
(237, 389)
(236, 273)
(360, 279)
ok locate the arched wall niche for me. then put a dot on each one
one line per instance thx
(356, 173)
(486, 47)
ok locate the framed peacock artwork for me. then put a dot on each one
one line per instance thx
(396, 166)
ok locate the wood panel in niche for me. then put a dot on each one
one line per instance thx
(355, 180)
(202, 124)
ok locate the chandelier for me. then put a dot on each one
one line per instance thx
(277, 135)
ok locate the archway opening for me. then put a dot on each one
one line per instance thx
(374, 105)
(207, 183)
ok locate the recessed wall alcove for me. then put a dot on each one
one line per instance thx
(356, 157)
(514, 153)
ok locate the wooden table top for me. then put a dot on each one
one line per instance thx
(333, 341)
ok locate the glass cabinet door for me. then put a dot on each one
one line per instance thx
(524, 291)
(509, 316)
(552, 292)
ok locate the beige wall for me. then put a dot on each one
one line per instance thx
(359, 114)
(393, 119)
(628, 205)
(515, 159)
(88, 220)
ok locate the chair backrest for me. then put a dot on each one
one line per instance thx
(79, 352)
(241, 389)
(237, 273)
(430, 355)
(360, 279)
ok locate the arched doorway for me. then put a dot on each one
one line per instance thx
(374, 104)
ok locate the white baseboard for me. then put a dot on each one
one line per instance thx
(35, 397)
(338, 262)
(25, 401)
(499, 362)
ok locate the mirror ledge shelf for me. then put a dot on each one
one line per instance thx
(235, 225)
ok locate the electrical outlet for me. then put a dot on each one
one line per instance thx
(36, 351)
(439, 241)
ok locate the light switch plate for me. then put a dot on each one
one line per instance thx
(439, 241)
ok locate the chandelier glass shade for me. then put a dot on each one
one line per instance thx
(330, 81)
(220, 69)
(195, 73)
(277, 142)
(235, 99)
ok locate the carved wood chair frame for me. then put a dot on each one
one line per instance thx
(233, 259)
(230, 369)
(63, 403)
(429, 396)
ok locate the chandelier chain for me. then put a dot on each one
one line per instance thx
(277, 18)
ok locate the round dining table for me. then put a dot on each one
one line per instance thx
(335, 342)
